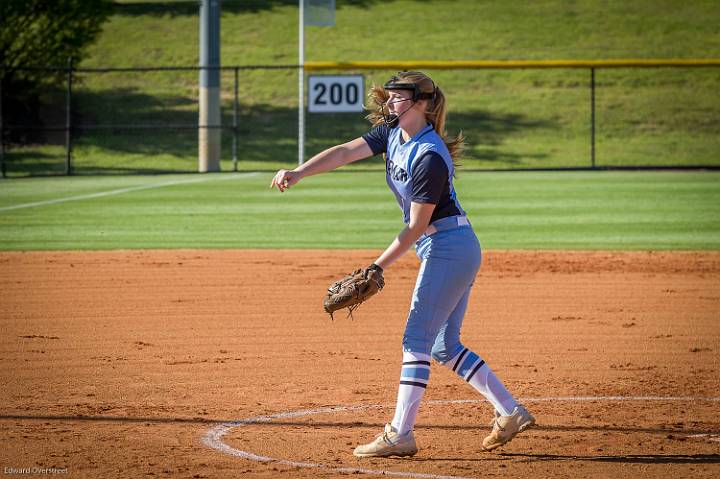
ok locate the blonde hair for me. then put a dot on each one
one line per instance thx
(435, 112)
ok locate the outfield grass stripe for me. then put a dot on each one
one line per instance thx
(120, 191)
(578, 210)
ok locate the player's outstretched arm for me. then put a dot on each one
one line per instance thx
(328, 160)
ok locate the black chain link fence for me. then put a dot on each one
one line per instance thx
(145, 120)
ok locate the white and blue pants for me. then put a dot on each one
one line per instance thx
(449, 262)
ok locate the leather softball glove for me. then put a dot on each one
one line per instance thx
(352, 290)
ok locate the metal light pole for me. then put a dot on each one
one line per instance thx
(209, 130)
(301, 83)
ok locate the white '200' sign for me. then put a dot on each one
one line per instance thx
(335, 93)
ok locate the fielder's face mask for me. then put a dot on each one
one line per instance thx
(396, 83)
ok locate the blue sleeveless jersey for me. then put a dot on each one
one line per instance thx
(402, 157)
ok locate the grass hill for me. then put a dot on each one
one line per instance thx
(512, 119)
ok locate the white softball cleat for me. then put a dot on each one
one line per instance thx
(496, 416)
(507, 427)
(388, 443)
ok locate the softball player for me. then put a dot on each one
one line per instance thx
(409, 129)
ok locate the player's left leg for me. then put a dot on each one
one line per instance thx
(511, 417)
(450, 352)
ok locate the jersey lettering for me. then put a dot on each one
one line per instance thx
(395, 172)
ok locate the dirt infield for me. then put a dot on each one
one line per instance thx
(124, 364)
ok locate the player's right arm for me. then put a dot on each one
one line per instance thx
(330, 159)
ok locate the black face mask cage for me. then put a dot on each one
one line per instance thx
(395, 83)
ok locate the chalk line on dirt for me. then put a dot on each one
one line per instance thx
(214, 436)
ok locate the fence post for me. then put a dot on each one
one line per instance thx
(235, 124)
(68, 118)
(2, 135)
(592, 118)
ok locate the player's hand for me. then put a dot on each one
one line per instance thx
(284, 179)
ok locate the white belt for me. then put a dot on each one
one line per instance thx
(447, 224)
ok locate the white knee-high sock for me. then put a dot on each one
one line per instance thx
(413, 381)
(472, 369)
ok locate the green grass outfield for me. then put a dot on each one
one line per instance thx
(520, 210)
